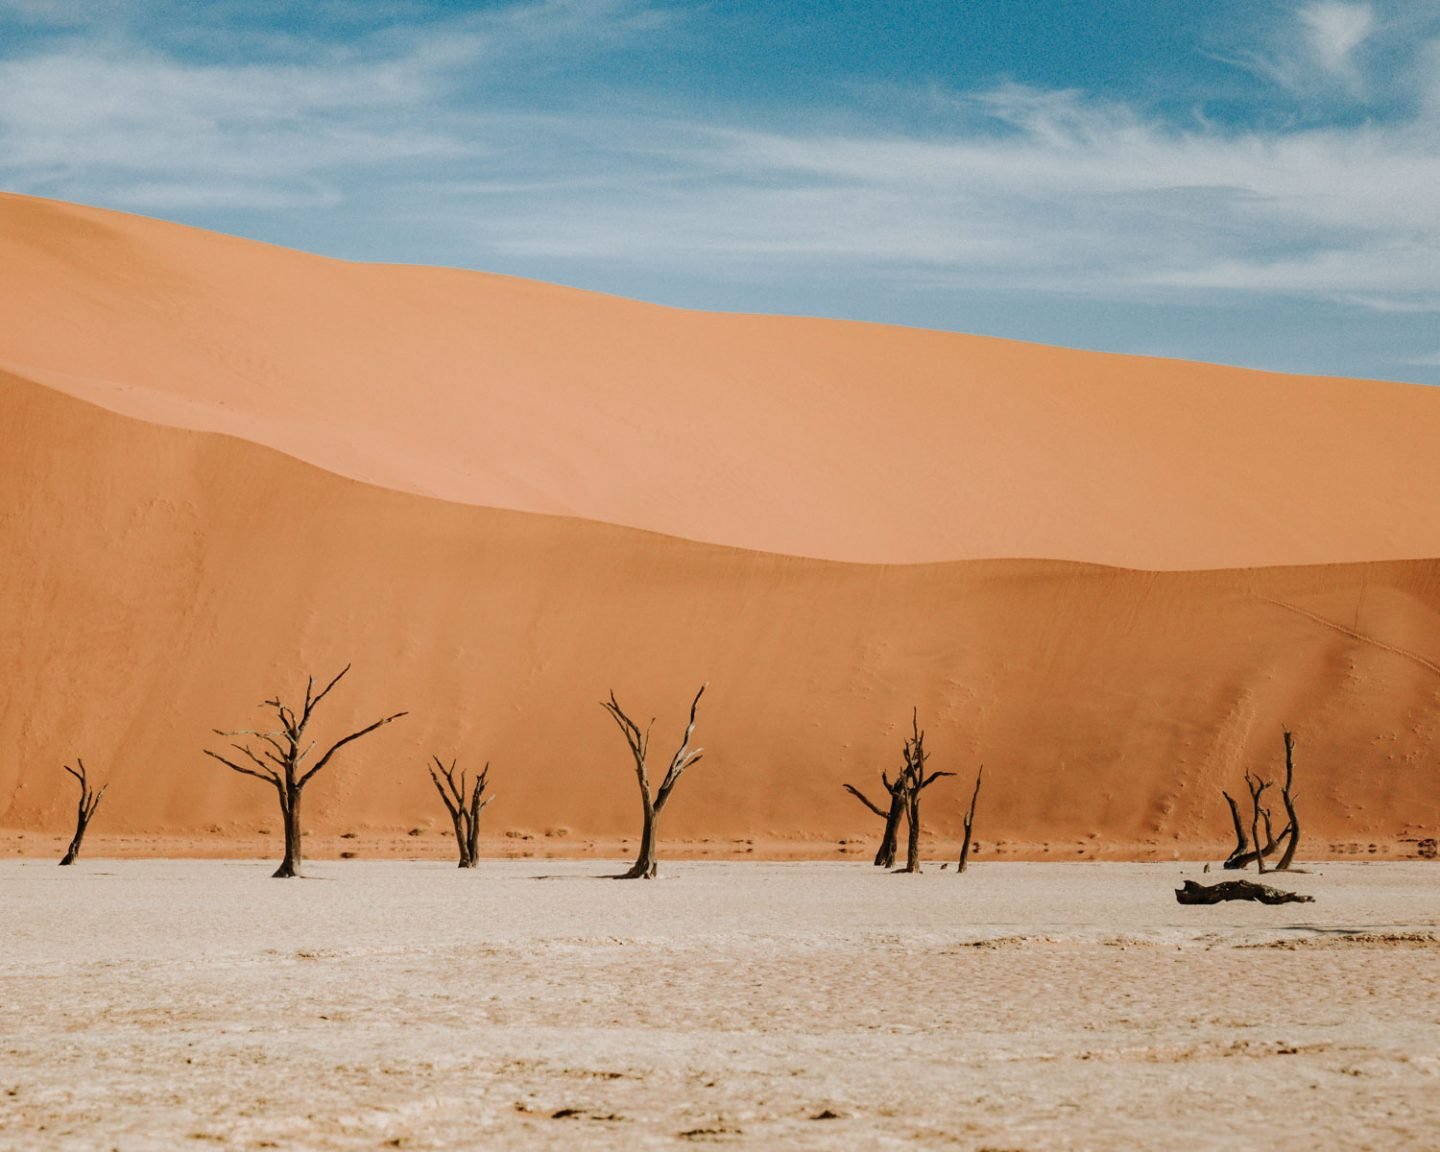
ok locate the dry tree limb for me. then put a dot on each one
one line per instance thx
(1240, 856)
(463, 802)
(281, 755)
(84, 811)
(646, 865)
(885, 854)
(1193, 893)
(970, 823)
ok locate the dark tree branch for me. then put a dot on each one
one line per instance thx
(875, 808)
(970, 822)
(305, 779)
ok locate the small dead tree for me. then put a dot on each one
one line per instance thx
(1257, 789)
(885, 855)
(645, 866)
(1267, 845)
(915, 782)
(280, 762)
(84, 810)
(970, 822)
(464, 804)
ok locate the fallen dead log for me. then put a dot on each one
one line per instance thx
(1193, 893)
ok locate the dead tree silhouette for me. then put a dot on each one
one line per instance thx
(279, 762)
(970, 822)
(84, 811)
(645, 866)
(915, 782)
(464, 808)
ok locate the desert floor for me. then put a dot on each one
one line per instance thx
(534, 1004)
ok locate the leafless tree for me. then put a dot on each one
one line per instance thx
(1264, 846)
(279, 761)
(464, 804)
(915, 782)
(1257, 789)
(1287, 797)
(85, 809)
(970, 822)
(885, 856)
(645, 866)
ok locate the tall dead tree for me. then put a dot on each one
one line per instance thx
(915, 782)
(970, 822)
(645, 865)
(1287, 797)
(885, 855)
(84, 810)
(280, 762)
(464, 804)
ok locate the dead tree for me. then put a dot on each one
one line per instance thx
(1287, 797)
(84, 810)
(280, 761)
(645, 866)
(885, 855)
(970, 823)
(464, 809)
(1243, 853)
(915, 782)
(1193, 893)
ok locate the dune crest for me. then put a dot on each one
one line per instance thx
(814, 438)
(157, 583)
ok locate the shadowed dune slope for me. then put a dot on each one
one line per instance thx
(803, 437)
(157, 582)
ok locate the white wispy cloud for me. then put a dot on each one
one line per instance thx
(1008, 188)
(1333, 31)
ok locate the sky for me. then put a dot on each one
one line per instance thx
(1250, 182)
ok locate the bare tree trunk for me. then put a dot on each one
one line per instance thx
(1238, 858)
(1289, 800)
(885, 856)
(84, 810)
(646, 867)
(970, 823)
(912, 839)
(290, 814)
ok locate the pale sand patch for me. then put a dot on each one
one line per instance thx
(532, 1004)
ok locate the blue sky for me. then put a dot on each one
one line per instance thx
(1245, 181)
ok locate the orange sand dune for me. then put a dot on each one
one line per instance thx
(158, 582)
(804, 437)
